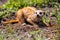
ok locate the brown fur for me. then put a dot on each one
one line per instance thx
(26, 13)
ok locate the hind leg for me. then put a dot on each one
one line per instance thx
(20, 18)
(20, 21)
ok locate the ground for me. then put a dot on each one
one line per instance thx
(27, 32)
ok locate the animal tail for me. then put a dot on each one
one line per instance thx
(11, 21)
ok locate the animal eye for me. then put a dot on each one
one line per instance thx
(40, 13)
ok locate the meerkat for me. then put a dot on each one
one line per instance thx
(30, 14)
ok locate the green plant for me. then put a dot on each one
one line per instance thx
(1, 37)
(14, 5)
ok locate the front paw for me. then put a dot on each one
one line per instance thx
(24, 24)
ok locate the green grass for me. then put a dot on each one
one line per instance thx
(14, 5)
